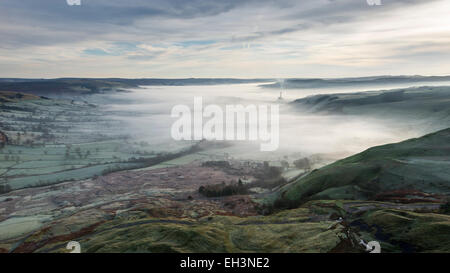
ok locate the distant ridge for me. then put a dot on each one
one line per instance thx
(75, 86)
(80, 86)
(375, 80)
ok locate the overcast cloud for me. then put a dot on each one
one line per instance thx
(220, 38)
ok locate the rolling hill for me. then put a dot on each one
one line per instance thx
(416, 170)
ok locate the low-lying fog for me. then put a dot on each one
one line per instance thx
(147, 115)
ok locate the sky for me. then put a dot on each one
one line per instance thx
(223, 38)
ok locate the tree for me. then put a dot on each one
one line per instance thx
(445, 208)
(303, 164)
(5, 188)
(285, 164)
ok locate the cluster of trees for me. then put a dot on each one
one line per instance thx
(303, 163)
(23, 137)
(12, 158)
(223, 189)
(77, 151)
(4, 188)
(445, 208)
(269, 172)
(220, 163)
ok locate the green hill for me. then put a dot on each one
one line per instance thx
(410, 171)
(427, 107)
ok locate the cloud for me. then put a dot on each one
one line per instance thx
(174, 38)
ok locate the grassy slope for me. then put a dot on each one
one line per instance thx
(411, 231)
(422, 164)
(309, 228)
(288, 231)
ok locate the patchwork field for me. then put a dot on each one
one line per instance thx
(51, 141)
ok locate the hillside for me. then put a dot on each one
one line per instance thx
(410, 171)
(8, 96)
(417, 101)
(62, 87)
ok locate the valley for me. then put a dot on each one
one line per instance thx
(84, 168)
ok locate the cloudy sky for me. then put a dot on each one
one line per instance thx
(223, 38)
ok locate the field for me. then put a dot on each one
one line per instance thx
(51, 141)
